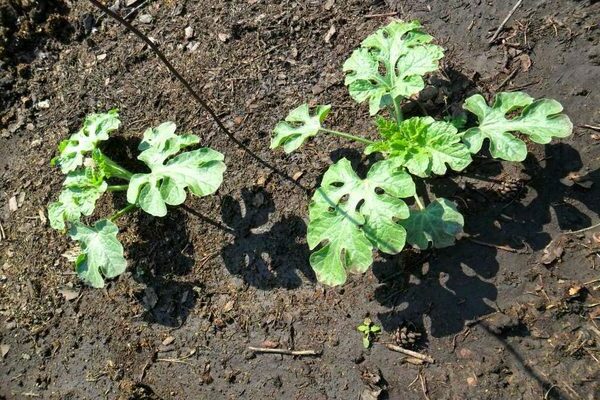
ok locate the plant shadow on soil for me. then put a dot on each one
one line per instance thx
(265, 258)
(163, 252)
(452, 286)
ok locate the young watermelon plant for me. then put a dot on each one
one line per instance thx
(349, 216)
(90, 174)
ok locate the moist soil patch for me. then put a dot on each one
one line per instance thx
(503, 315)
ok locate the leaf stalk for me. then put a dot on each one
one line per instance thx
(398, 110)
(117, 188)
(418, 201)
(347, 136)
(122, 212)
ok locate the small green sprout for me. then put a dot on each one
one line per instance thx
(369, 331)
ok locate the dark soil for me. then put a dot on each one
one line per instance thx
(231, 270)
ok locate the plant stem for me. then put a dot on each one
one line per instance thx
(122, 212)
(347, 136)
(398, 110)
(111, 168)
(418, 201)
(117, 188)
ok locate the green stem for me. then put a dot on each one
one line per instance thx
(347, 136)
(117, 188)
(111, 169)
(122, 212)
(418, 201)
(398, 110)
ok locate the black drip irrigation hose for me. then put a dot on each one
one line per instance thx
(193, 93)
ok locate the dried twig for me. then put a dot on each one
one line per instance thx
(2, 234)
(508, 78)
(510, 14)
(422, 357)
(589, 228)
(497, 246)
(424, 385)
(383, 15)
(135, 9)
(285, 351)
(592, 127)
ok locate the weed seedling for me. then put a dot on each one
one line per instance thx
(350, 216)
(369, 331)
(90, 174)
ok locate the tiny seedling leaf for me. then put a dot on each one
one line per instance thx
(200, 171)
(352, 215)
(101, 252)
(298, 127)
(96, 128)
(540, 119)
(422, 145)
(391, 63)
(438, 224)
(81, 189)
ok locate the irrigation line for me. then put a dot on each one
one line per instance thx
(192, 92)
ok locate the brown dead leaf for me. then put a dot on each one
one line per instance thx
(228, 306)
(525, 62)
(554, 250)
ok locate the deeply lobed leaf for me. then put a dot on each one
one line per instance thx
(200, 171)
(101, 252)
(541, 120)
(438, 224)
(422, 145)
(403, 52)
(81, 189)
(298, 127)
(96, 128)
(352, 215)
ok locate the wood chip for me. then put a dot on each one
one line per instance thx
(330, 33)
(168, 340)
(329, 4)
(12, 204)
(298, 175)
(224, 37)
(69, 294)
(4, 349)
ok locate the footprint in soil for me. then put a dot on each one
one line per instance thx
(264, 256)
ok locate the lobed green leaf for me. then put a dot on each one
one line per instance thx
(438, 224)
(200, 171)
(351, 216)
(541, 120)
(422, 145)
(96, 128)
(298, 127)
(391, 63)
(101, 252)
(81, 189)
